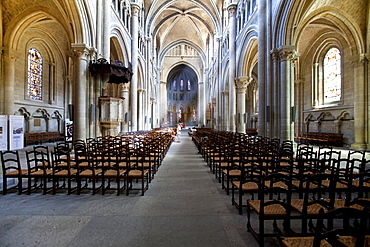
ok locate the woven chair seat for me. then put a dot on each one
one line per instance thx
(302, 241)
(137, 173)
(41, 172)
(64, 173)
(351, 241)
(277, 184)
(88, 173)
(356, 183)
(273, 210)
(297, 183)
(223, 164)
(83, 164)
(16, 173)
(122, 165)
(312, 210)
(338, 185)
(246, 187)
(232, 173)
(114, 173)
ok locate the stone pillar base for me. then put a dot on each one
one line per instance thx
(359, 146)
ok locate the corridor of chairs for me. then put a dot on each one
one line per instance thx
(208, 188)
(183, 205)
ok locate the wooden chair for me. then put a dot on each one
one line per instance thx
(345, 227)
(114, 171)
(12, 169)
(136, 171)
(39, 170)
(63, 169)
(87, 169)
(274, 207)
(316, 196)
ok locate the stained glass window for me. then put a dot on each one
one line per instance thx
(189, 86)
(182, 85)
(332, 76)
(174, 87)
(34, 74)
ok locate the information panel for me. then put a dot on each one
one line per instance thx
(16, 132)
(3, 132)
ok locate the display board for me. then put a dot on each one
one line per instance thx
(3, 132)
(16, 132)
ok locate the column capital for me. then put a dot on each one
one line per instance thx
(242, 83)
(288, 53)
(364, 57)
(232, 9)
(79, 51)
(141, 91)
(9, 53)
(125, 87)
(135, 9)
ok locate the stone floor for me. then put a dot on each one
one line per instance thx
(184, 206)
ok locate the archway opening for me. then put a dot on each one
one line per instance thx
(182, 94)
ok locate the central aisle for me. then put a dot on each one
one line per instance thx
(185, 205)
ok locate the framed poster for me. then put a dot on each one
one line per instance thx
(3, 132)
(16, 132)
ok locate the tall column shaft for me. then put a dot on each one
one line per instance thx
(275, 104)
(79, 92)
(9, 82)
(241, 86)
(106, 29)
(125, 93)
(232, 66)
(262, 67)
(134, 62)
(360, 109)
(286, 54)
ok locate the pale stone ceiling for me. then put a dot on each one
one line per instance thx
(193, 21)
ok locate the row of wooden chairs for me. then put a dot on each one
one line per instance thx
(251, 164)
(105, 163)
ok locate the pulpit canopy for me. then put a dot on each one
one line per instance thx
(116, 71)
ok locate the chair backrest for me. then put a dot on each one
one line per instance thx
(10, 161)
(342, 224)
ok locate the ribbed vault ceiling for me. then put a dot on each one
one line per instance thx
(173, 20)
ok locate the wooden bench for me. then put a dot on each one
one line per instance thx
(39, 137)
(320, 138)
(252, 132)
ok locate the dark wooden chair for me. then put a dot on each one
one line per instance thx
(39, 170)
(12, 169)
(273, 205)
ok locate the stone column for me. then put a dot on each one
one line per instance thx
(232, 66)
(9, 81)
(202, 104)
(51, 82)
(219, 86)
(361, 108)
(125, 93)
(141, 110)
(152, 113)
(241, 89)
(286, 56)
(262, 67)
(106, 29)
(163, 103)
(225, 110)
(79, 91)
(135, 11)
(275, 105)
